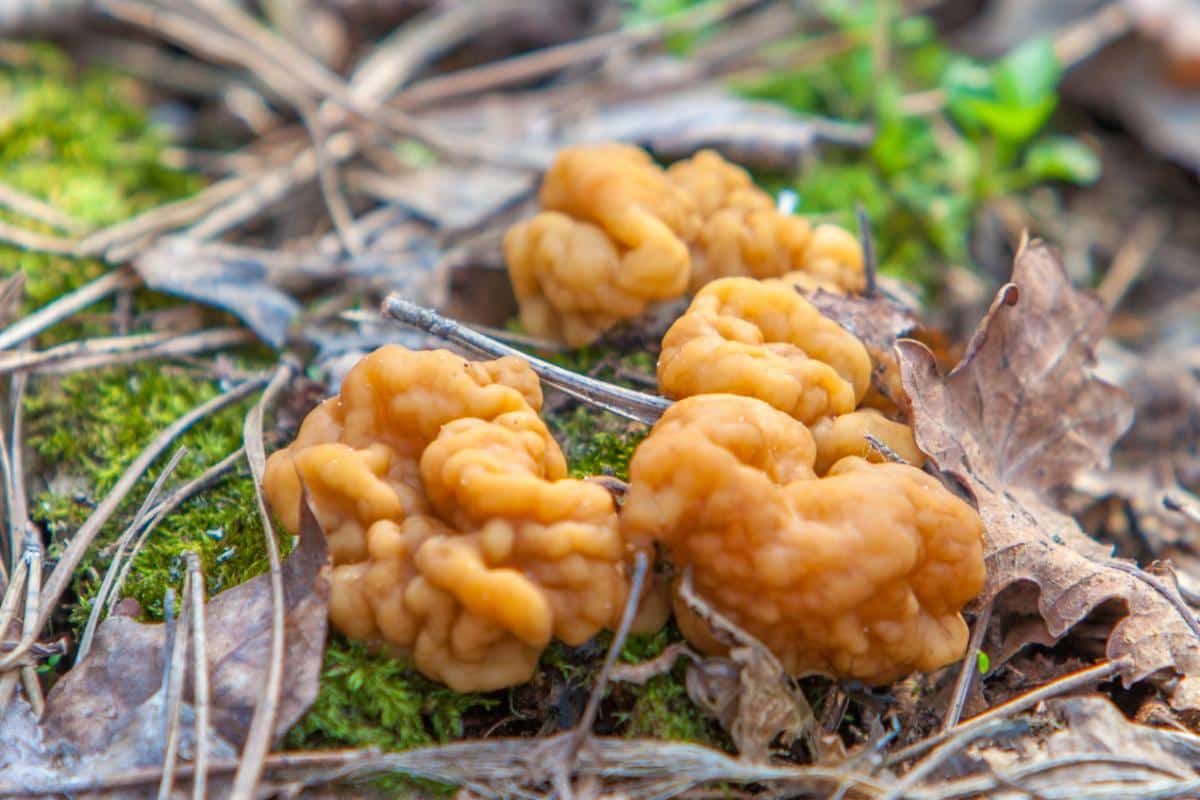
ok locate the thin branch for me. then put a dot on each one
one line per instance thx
(65, 306)
(60, 578)
(262, 724)
(29, 206)
(868, 249)
(102, 351)
(100, 600)
(968, 669)
(33, 241)
(637, 406)
(200, 483)
(173, 680)
(200, 690)
(1067, 683)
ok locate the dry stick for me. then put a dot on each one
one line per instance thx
(1092, 33)
(1066, 683)
(22, 530)
(637, 406)
(262, 724)
(173, 680)
(99, 602)
(583, 728)
(106, 350)
(200, 701)
(35, 209)
(1181, 506)
(117, 242)
(941, 753)
(26, 239)
(868, 249)
(65, 306)
(61, 576)
(551, 59)
(177, 498)
(1132, 258)
(968, 669)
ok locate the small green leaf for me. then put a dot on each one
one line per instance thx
(983, 663)
(1061, 158)
(1028, 75)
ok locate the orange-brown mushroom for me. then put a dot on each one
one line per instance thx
(762, 339)
(860, 574)
(618, 233)
(455, 534)
(844, 436)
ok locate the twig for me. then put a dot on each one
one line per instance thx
(35, 209)
(868, 249)
(173, 680)
(881, 447)
(177, 498)
(583, 728)
(956, 742)
(64, 570)
(1092, 33)
(200, 691)
(26, 239)
(99, 601)
(33, 689)
(1066, 683)
(637, 406)
(1132, 258)
(262, 724)
(65, 306)
(108, 350)
(968, 669)
(1182, 506)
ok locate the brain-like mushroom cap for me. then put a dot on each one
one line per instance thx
(762, 339)
(610, 241)
(454, 532)
(742, 233)
(860, 574)
(618, 233)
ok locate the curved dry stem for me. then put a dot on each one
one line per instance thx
(262, 724)
(637, 406)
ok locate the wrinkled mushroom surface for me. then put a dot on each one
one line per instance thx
(618, 232)
(455, 534)
(762, 339)
(860, 574)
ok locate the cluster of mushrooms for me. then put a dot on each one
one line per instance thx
(800, 513)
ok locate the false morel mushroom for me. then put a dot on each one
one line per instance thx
(455, 534)
(859, 574)
(617, 232)
(762, 339)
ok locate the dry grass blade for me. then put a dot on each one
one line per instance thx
(637, 406)
(35, 209)
(65, 306)
(200, 690)
(26, 239)
(101, 599)
(262, 726)
(201, 482)
(173, 680)
(968, 668)
(105, 351)
(61, 576)
(1075, 680)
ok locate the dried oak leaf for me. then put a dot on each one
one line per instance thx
(95, 703)
(1021, 414)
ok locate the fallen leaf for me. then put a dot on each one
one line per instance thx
(106, 715)
(1021, 414)
(749, 692)
(1101, 753)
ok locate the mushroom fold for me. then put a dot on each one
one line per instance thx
(860, 574)
(617, 233)
(455, 534)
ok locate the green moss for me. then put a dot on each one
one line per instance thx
(86, 428)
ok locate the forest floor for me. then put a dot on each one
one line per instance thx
(201, 211)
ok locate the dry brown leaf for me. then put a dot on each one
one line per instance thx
(749, 692)
(106, 714)
(1022, 414)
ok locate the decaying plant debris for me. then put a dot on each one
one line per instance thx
(378, 151)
